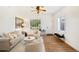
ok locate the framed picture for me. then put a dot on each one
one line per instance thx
(19, 22)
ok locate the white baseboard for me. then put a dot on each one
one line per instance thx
(70, 45)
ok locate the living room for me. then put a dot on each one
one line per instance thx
(49, 24)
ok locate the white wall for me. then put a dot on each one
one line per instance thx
(8, 13)
(6, 22)
(71, 15)
(7, 17)
(46, 23)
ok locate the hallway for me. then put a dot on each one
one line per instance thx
(53, 44)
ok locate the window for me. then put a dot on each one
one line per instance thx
(61, 23)
(35, 24)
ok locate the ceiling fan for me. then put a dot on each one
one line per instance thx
(39, 9)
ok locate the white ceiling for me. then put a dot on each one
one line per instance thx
(28, 9)
(53, 9)
(49, 9)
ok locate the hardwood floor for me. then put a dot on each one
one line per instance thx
(53, 44)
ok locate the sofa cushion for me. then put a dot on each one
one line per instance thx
(8, 35)
(12, 35)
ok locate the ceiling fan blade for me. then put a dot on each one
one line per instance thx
(43, 10)
(42, 6)
(39, 9)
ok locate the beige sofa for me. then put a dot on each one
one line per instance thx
(4, 43)
(9, 40)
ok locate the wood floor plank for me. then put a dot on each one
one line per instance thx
(53, 44)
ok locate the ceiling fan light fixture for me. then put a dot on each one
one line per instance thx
(39, 9)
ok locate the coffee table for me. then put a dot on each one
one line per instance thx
(34, 45)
